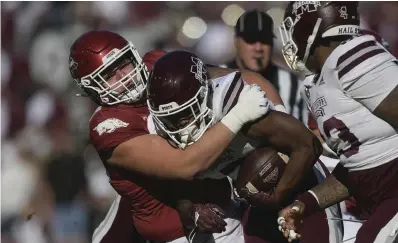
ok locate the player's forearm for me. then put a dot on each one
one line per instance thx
(330, 192)
(300, 163)
(324, 195)
(202, 154)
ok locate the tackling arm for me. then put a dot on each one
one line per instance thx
(152, 155)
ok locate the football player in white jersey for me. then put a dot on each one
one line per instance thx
(354, 98)
(186, 98)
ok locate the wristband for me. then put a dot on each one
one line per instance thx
(310, 201)
(232, 122)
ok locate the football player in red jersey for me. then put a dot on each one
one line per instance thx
(354, 97)
(109, 70)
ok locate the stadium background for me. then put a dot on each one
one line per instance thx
(47, 166)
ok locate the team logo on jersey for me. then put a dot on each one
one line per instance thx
(109, 126)
(317, 106)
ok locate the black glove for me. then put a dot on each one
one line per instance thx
(206, 218)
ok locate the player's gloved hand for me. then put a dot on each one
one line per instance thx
(260, 199)
(206, 218)
(290, 218)
(252, 104)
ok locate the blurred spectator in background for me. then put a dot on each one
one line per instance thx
(66, 178)
(254, 40)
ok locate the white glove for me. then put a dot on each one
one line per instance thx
(251, 105)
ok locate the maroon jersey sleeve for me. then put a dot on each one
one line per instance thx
(151, 57)
(110, 127)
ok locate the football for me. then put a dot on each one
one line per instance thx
(261, 170)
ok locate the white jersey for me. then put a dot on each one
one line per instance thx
(226, 91)
(354, 80)
(225, 95)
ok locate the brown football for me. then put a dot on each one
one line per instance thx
(261, 170)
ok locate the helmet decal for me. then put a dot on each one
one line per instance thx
(305, 6)
(343, 12)
(178, 94)
(199, 70)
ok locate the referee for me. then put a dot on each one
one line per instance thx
(254, 41)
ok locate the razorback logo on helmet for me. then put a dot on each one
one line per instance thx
(198, 69)
(109, 126)
(300, 7)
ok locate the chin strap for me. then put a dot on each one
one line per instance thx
(311, 39)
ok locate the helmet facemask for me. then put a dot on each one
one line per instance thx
(128, 89)
(194, 116)
(290, 48)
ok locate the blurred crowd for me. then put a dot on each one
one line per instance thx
(53, 184)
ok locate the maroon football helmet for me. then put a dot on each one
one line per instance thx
(94, 59)
(307, 22)
(177, 92)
